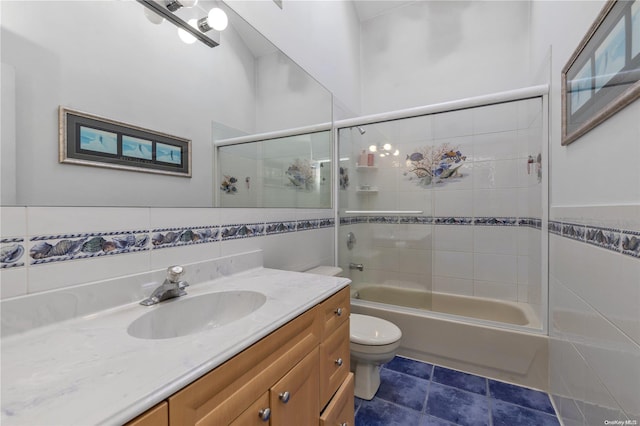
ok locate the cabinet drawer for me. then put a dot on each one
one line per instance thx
(253, 415)
(340, 410)
(334, 362)
(301, 406)
(335, 311)
(156, 416)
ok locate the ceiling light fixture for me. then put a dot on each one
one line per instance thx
(189, 32)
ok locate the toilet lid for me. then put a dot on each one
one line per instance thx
(368, 330)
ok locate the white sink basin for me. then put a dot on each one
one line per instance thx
(180, 317)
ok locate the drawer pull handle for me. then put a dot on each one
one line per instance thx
(339, 312)
(264, 414)
(284, 397)
(339, 362)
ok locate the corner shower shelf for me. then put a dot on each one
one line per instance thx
(371, 189)
(366, 167)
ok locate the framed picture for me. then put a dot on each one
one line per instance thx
(603, 74)
(95, 141)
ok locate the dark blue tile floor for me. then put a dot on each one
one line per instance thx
(414, 393)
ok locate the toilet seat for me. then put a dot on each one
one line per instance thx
(371, 331)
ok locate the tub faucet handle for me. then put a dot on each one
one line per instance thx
(358, 266)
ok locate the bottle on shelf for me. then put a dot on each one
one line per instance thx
(362, 160)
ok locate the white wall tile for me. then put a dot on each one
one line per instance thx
(453, 203)
(496, 118)
(452, 124)
(453, 285)
(65, 220)
(495, 239)
(453, 264)
(496, 146)
(179, 255)
(453, 237)
(415, 261)
(13, 222)
(183, 217)
(495, 267)
(63, 274)
(13, 282)
(494, 202)
(495, 174)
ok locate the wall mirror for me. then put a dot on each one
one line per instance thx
(286, 171)
(109, 60)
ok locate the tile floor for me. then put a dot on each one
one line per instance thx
(414, 393)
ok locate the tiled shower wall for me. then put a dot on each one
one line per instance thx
(479, 232)
(46, 248)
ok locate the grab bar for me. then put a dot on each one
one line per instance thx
(384, 211)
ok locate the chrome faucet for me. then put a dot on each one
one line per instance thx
(358, 266)
(170, 288)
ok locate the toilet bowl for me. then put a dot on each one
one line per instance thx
(373, 342)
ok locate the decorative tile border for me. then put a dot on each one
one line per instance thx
(232, 232)
(617, 240)
(56, 248)
(496, 221)
(11, 251)
(175, 237)
(304, 225)
(280, 227)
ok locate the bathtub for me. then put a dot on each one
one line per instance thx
(496, 339)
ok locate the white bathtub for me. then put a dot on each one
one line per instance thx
(497, 339)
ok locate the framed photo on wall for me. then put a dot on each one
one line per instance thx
(89, 140)
(603, 74)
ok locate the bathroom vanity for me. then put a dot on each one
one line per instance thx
(294, 376)
(283, 362)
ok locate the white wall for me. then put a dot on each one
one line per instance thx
(594, 293)
(322, 36)
(434, 51)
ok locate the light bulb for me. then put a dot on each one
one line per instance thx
(387, 147)
(373, 148)
(382, 154)
(153, 17)
(397, 152)
(217, 19)
(185, 36)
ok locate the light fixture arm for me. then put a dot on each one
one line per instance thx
(162, 11)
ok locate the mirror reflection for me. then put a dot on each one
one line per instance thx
(290, 171)
(108, 59)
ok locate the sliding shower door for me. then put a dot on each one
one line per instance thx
(445, 204)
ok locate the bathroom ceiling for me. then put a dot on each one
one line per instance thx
(367, 9)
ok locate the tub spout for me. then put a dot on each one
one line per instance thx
(358, 266)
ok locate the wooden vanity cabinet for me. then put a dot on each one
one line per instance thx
(156, 416)
(293, 376)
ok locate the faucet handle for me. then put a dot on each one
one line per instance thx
(174, 273)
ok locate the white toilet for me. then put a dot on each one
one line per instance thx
(374, 341)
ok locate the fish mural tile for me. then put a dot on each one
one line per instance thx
(631, 243)
(228, 185)
(56, 248)
(173, 237)
(280, 227)
(229, 232)
(326, 223)
(11, 253)
(346, 220)
(432, 165)
(603, 237)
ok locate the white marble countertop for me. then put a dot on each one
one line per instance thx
(88, 370)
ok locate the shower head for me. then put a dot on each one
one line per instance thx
(361, 130)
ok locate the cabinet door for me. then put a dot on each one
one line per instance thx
(256, 414)
(335, 311)
(294, 399)
(340, 410)
(156, 416)
(334, 362)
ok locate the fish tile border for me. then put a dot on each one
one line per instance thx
(631, 243)
(574, 231)
(57, 248)
(304, 225)
(178, 237)
(12, 250)
(496, 221)
(236, 231)
(603, 237)
(280, 227)
(450, 220)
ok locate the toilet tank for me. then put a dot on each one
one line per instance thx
(333, 271)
